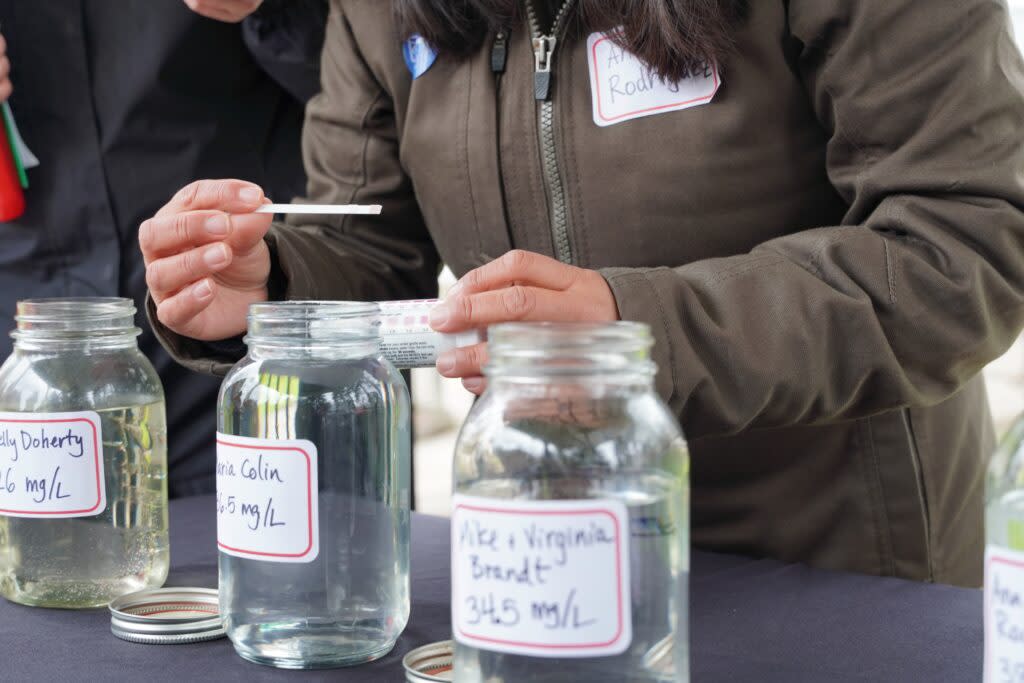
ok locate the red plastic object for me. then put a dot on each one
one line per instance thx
(12, 198)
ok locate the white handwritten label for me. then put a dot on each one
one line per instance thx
(1004, 615)
(541, 578)
(267, 506)
(51, 465)
(624, 88)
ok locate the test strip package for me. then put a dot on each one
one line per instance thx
(408, 341)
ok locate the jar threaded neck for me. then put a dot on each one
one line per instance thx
(304, 325)
(95, 321)
(537, 350)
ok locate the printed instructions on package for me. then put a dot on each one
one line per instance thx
(541, 578)
(267, 505)
(51, 465)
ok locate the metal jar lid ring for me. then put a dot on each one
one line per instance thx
(430, 663)
(165, 616)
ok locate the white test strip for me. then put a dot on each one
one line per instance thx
(321, 209)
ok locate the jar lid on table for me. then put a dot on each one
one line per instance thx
(430, 663)
(167, 616)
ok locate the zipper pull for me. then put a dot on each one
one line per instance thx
(499, 52)
(543, 47)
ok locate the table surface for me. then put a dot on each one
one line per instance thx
(751, 620)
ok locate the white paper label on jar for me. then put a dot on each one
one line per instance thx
(51, 465)
(1004, 615)
(267, 505)
(541, 578)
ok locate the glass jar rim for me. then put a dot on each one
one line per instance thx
(72, 320)
(313, 324)
(280, 311)
(73, 308)
(569, 348)
(620, 335)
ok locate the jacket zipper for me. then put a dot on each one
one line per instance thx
(499, 53)
(499, 62)
(544, 58)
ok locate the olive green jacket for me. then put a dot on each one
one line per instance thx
(828, 252)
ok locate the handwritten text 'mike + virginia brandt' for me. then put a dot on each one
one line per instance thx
(524, 570)
(541, 578)
(545, 548)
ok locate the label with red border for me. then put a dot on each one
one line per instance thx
(51, 465)
(1004, 615)
(623, 88)
(267, 503)
(541, 578)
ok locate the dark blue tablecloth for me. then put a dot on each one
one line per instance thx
(751, 620)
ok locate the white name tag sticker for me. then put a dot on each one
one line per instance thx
(267, 505)
(51, 465)
(1004, 615)
(541, 578)
(624, 88)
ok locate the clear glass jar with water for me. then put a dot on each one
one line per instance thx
(313, 489)
(83, 457)
(570, 524)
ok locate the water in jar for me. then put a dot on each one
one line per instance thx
(659, 569)
(1004, 520)
(88, 561)
(350, 604)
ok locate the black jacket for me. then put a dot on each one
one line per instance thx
(124, 102)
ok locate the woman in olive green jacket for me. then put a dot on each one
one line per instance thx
(821, 223)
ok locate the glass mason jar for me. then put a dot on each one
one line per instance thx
(83, 457)
(313, 489)
(1004, 559)
(570, 524)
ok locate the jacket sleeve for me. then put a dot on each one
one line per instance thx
(350, 150)
(923, 282)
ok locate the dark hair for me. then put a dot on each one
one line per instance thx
(674, 37)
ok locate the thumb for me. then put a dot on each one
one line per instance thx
(247, 230)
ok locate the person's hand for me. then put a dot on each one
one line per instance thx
(519, 286)
(5, 72)
(206, 260)
(230, 11)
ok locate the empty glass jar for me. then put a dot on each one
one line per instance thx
(570, 523)
(313, 489)
(83, 457)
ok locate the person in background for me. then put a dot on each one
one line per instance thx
(5, 72)
(816, 205)
(122, 101)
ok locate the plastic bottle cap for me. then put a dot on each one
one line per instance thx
(167, 616)
(431, 663)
